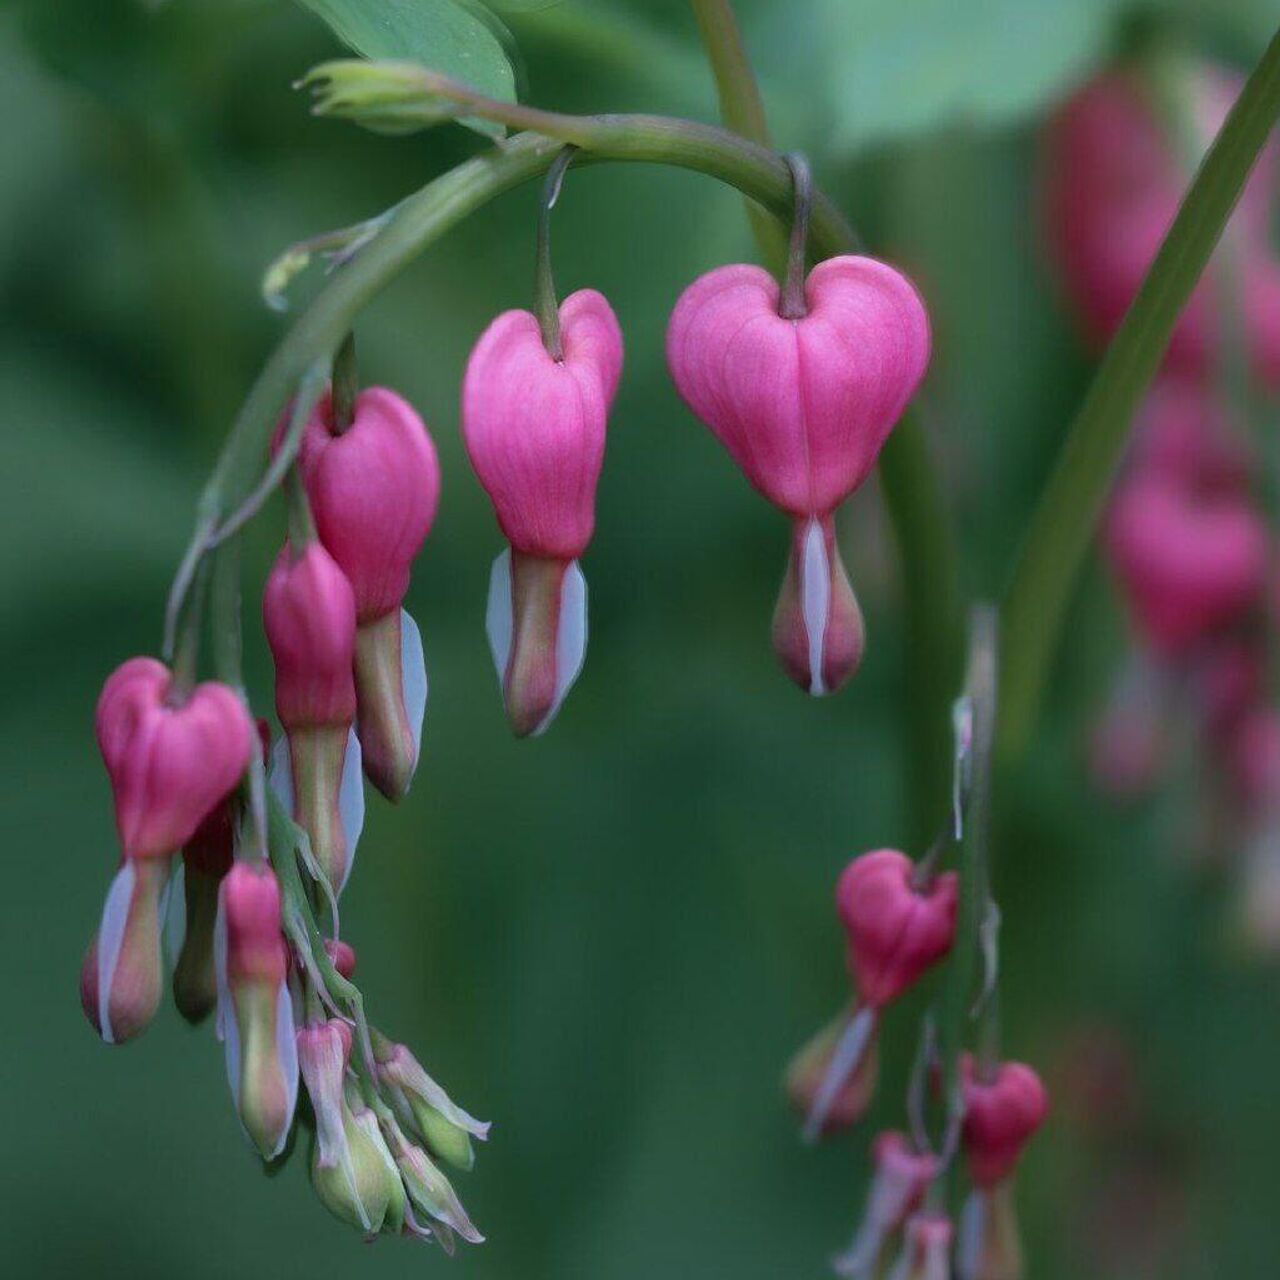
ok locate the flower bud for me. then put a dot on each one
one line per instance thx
(309, 613)
(803, 406)
(1188, 564)
(988, 1245)
(365, 1189)
(1182, 435)
(817, 624)
(206, 858)
(429, 1190)
(901, 1177)
(926, 1252)
(374, 488)
(342, 955)
(1001, 1114)
(813, 1065)
(255, 1013)
(169, 761)
(896, 929)
(534, 428)
(425, 1107)
(122, 976)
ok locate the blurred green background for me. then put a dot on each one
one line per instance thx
(610, 940)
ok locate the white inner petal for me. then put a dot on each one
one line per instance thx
(971, 1228)
(815, 599)
(351, 801)
(498, 621)
(280, 774)
(571, 638)
(115, 916)
(413, 677)
(287, 1053)
(173, 913)
(846, 1058)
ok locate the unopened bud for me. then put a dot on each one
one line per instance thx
(255, 1015)
(391, 688)
(365, 1190)
(429, 1190)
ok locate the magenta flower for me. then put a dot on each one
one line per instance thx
(534, 429)
(171, 757)
(803, 407)
(1002, 1111)
(255, 1012)
(374, 488)
(308, 610)
(1189, 563)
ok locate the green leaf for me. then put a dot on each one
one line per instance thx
(900, 66)
(458, 38)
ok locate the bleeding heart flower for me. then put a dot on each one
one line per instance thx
(534, 429)
(1002, 1110)
(803, 406)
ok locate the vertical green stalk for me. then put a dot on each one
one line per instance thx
(1064, 521)
(741, 109)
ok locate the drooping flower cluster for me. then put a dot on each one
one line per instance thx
(1185, 534)
(900, 920)
(350, 693)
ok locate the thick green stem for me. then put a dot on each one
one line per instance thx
(741, 107)
(1068, 512)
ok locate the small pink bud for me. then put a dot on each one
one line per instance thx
(1189, 565)
(255, 1013)
(309, 614)
(901, 1176)
(534, 429)
(803, 406)
(926, 1252)
(1001, 1114)
(324, 1049)
(342, 955)
(122, 976)
(169, 763)
(817, 624)
(851, 1089)
(896, 929)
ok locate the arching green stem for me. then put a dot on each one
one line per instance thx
(914, 499)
